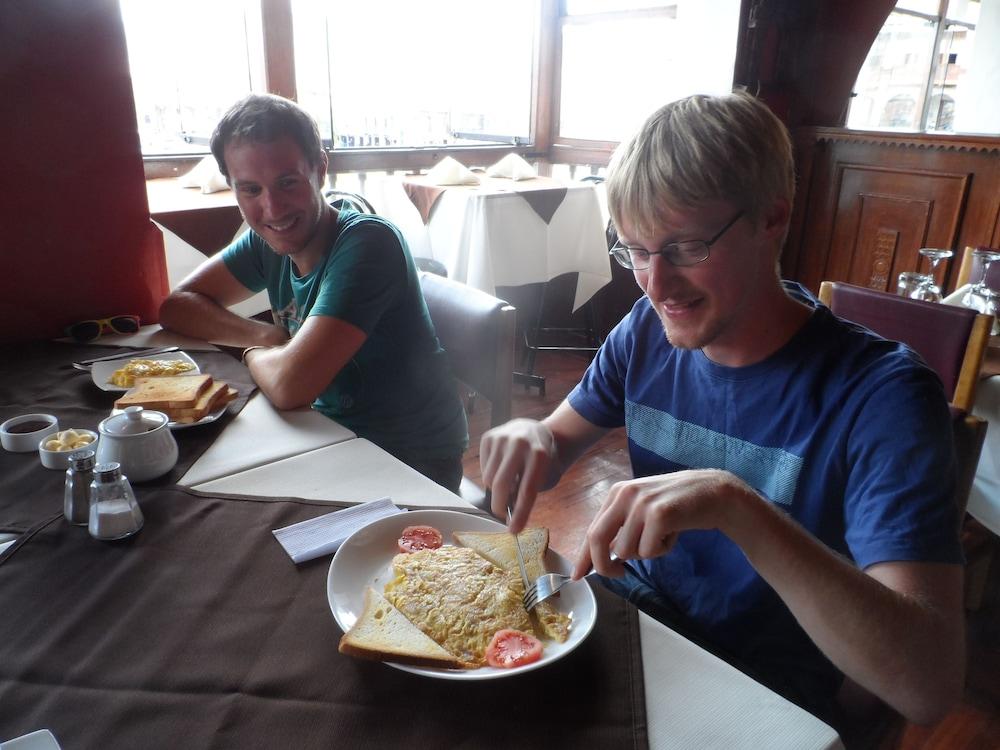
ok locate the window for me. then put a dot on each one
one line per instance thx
(935, 66)
(623, 59)
(391, 82)
(189, 61)
(439, 72)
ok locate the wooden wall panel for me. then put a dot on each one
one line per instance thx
(883, 217)
(868, 201)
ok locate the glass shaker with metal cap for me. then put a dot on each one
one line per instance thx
(76, 495)
(114, 511)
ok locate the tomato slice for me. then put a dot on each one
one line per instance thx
(512, 648)
(416, 538)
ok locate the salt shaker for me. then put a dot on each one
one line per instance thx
(76, 494)
(114, 511)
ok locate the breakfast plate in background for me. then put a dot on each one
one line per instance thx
(365, 559)
(207, 419)
(101, 372)
(42, 739)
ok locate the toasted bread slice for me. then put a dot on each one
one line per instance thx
(498, 548)
(217, 395)
(165, 393)
(383, 633)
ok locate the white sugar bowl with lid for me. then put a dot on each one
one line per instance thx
(140, 440)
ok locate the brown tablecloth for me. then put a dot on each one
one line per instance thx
(39, 377)
(200, 632)
(543, 194)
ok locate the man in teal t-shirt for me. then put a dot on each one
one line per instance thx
(351, 333)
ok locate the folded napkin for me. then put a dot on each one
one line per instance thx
(449, 171)
(324, 534)
(512, 167)
(205, 175)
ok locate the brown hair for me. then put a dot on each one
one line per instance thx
(263, 118)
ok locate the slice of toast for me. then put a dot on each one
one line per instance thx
(498, 548)
(384, 633)
(218, 394)
(165, 393)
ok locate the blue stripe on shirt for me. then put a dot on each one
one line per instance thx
(771, 471)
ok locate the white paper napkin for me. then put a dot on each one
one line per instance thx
(450, 171)
(322, 535)
(513, 167)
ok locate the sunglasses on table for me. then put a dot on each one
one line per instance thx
(89, 330)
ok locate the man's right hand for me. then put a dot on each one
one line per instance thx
(523, 457)
(517, 459)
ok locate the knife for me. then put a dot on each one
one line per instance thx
(520, 556)
(85, 364)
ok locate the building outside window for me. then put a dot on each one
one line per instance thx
(935, 66)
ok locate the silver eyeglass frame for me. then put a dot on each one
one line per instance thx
(673, 252)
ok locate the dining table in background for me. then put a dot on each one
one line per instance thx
(679, 695)
(501, 232)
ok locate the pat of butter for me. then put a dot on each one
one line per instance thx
(68, 440)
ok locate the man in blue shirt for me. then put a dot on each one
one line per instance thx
(351, 333)
(791, 506)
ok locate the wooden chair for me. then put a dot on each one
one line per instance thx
(951, 339)
(477, 330)
(355, 200)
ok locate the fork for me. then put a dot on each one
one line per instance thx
(548, 584)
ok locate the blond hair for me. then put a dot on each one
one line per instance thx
(699, 149)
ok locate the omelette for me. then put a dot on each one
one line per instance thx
(458, 598)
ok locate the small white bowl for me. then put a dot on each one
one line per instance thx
(60, 459)
(25, 442)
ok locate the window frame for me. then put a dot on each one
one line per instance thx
(273, 69)
(273, 63)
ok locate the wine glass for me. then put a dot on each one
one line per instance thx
(915, 285)
(978, 295)
(935, 255)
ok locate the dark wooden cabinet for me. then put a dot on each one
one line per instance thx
(868, 201)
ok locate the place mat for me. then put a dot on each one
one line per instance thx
(39, 377)
(200, 632)
(543, 194)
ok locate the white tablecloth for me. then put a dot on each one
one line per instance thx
(352, 471)
(984, 498)
(487, 238)
(259, 435)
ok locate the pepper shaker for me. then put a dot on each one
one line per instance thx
(76, 493)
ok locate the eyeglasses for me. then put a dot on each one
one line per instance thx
(88, 330)
(687, 253)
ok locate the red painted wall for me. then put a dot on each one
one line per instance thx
(76, 241)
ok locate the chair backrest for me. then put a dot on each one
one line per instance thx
(355, 200)
(971, 269)
(952, 340)
(477, 330)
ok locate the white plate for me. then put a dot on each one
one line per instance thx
(42, 739)
(365, 559)
(101, 371)
(207, 419)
